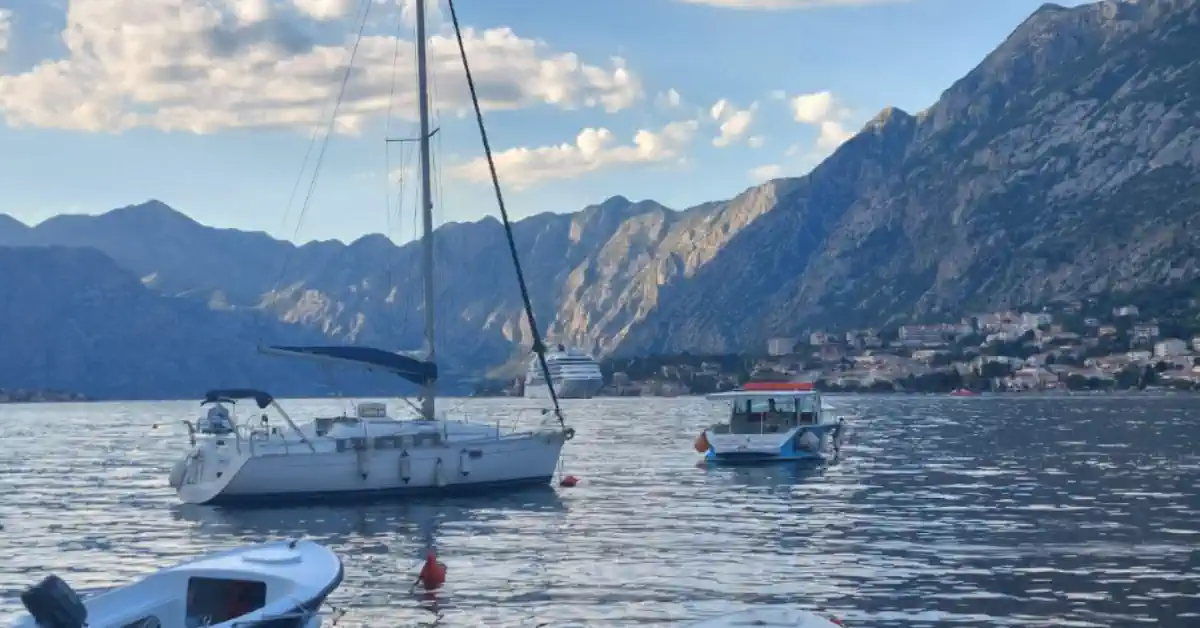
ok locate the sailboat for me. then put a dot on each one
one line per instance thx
(372, 454)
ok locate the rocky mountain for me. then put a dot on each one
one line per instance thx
(73, 320)
(1067, 162)
(607, 258)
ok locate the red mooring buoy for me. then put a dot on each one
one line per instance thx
(433, 573)
(568, 481)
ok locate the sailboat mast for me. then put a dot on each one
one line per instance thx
(429, 392)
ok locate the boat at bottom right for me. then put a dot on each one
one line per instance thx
(774, 421)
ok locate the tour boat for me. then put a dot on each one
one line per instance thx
(773, 421)
(270, 585)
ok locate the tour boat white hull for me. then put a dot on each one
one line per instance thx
(222, 475)
(271, 584)
(790, 445)
(566, 389)
(780, 616)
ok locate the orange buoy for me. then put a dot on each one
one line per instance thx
(568, 481)
(702, 445)
(433, 573)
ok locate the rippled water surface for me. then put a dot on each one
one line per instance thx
(1037, 511)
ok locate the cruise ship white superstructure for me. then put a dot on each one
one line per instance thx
(576, 375)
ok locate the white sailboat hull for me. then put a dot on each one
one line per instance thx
(222, 475)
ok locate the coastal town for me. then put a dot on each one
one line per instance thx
(21, 395)
(1070, 347)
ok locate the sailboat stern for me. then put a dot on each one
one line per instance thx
(205, 473)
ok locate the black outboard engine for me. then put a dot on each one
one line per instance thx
(54, 604)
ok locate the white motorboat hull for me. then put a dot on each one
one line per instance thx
(566, 389)
(735, 448)
(292, 578)
(292, 472)
(780, 616)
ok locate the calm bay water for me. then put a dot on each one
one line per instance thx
(1035, 511)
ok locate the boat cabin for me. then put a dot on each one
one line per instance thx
(770, 407)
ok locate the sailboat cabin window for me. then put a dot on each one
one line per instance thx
(221, 599)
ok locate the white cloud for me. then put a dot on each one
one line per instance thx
(757, 141)
(5, 29)
(325, 10)
(593, 150)
(669, 99)
(433, 12)
(201, 66)
(812, 108)
(766, 172)
(822, 110)
(251, 11)
(785, 5)
(734, 122)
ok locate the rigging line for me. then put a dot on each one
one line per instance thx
(538, 347)
(387, 175)
(333, 118)
(308, 153)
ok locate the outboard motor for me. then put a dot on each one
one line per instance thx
(54, 604)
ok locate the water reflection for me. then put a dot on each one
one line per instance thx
(338, 523)
(967, 513)
(784, 474)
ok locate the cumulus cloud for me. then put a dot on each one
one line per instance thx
(822, 110)
(324, 10)
(433, 12)
(594, 149)
(669, 99)
(785, 5)
(766, 172)
(202, 66)
(734, 122)
(5, 29)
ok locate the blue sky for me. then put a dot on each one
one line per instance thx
(208, 105)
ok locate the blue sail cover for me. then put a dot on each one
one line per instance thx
(413, 370)
(263, 399)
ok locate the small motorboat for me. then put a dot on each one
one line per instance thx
(789, 616)
(278, 585)
(774, 421)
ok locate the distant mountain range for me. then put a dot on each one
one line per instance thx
(1067, 162)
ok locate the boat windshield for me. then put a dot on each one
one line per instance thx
(807, 403)
(223, 599)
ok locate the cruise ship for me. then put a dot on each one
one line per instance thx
(576, 375)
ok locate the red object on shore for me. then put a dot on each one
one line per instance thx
(963, 392)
